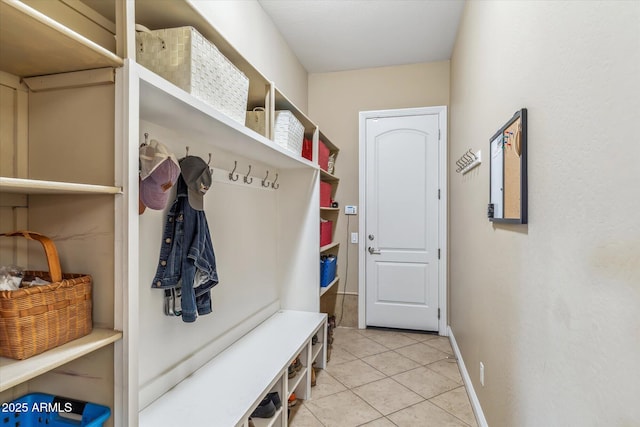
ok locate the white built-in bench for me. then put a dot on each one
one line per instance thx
(225, 391)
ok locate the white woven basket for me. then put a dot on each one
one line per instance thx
(191, 62)
(288, 131)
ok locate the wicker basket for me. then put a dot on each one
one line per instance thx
(191, 62)
(38, 318)
(288, 131)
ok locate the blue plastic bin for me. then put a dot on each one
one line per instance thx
(39, 409)
(328, 266)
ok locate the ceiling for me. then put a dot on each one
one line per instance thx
(336, 35)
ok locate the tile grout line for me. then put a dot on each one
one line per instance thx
(339, 382)
(389, 376)
(385, 415)
(360, 385)
(444, 409)
(367, 403)
(402, 346)
(426, 400)
(432, 397)
(370, 405)
(442, 375)
(385, 376)
(423, 399)
(313, 415)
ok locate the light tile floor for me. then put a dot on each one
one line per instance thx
(381, 378)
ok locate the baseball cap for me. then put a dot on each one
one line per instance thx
(159, 171)
(197, 176)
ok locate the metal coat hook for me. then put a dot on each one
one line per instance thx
(146, 139)
(209, 162)
(273, 184)
(264, 181)
(468, 161)
(467, 157)
(231, 177)
(248, 180)
(187, 151)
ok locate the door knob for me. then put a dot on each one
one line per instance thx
(371, 237)
(373, 251)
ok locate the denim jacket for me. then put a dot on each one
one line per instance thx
(186, 256)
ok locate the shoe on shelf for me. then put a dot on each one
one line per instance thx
(297, 364)
(266, 409)
(275, 399)
(291, 371)
(314, 339)
(313, 376)
(292, 400)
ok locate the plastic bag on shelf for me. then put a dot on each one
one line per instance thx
(10, 277)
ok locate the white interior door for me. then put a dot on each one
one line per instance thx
(401, 221)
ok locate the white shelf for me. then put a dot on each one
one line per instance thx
(295, 381)
(329, 286)
(327, 177)
(35, 186)
(33, 44)
(15, 372)
(315, 351)
(329, 246)
(268, 422)
(330, 145)
(174, 14)
(163, 103)
(283, 103)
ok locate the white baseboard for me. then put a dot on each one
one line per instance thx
(473, 397)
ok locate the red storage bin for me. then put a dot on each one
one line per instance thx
(325, 194)
(326, 230)
(323, 156)
(307, 149)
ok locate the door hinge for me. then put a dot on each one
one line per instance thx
(438, 253)
(439, 137)
(438, 314)
(438, 194)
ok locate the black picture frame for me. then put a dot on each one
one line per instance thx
(508, 172)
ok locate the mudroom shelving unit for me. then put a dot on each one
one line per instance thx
(78, 105)
(57, 177)
(330, 213)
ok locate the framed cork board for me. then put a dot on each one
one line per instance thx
(508, 177)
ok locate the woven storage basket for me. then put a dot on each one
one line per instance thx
(38, 318)
(288, 131)
(256, 120)
(191, 62)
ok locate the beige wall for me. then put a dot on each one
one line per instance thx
(335, 99)
(250, 30)
(551, 308)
